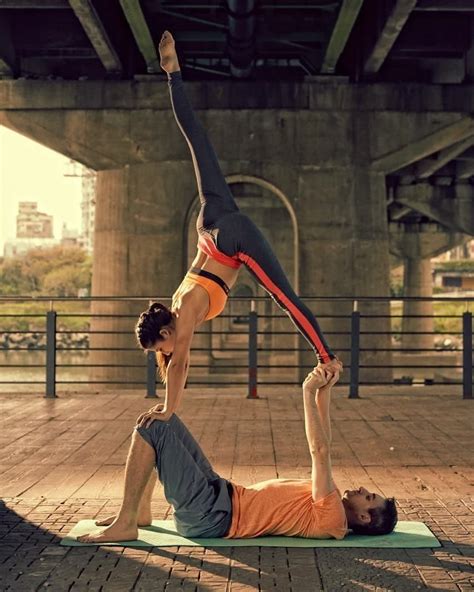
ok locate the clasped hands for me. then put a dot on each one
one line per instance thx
(323, 375)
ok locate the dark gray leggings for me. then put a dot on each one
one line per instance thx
(200, 498)
(234, 233)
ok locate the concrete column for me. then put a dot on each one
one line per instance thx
(344, 252)
(417, 282)
(138, 251)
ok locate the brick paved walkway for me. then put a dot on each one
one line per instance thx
(62, 460)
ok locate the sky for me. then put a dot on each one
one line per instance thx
(31, 172)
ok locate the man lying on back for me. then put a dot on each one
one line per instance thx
(206, 505)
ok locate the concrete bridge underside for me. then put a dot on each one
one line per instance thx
(326, 146)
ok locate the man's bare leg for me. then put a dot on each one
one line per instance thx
(140, 463)
(145, 517)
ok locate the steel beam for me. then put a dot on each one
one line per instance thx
(426, 168)
(7, 50)
(439, 140)
(137, 22)
(452, 207)
(464, 169)
(340, 34)
(388, 35)
(241, 39)
(398, 214)
(445, 5)
(36, 4)
(95, 31)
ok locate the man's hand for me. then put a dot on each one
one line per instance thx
(328, 385)
(157, 412)
(315, 380)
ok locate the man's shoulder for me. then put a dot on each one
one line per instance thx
(332, 517)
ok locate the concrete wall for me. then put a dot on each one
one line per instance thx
(314, 142)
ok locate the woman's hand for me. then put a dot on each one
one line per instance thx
(157, 412)
(331, 369)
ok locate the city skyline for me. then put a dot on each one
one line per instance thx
(32, 172)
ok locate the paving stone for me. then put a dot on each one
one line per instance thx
(31, 558)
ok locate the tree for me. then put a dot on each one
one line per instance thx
(53, 271)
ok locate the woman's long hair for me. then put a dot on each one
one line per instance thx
(147, 331)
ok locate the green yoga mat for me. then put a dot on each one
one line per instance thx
(407, 535)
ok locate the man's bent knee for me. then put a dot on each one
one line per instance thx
(154, 433)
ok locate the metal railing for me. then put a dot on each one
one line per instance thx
(354, 335)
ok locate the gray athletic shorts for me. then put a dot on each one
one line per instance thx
(202, 500)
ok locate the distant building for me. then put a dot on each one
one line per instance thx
(33, 224)
(33, 229)
(464, 251)
(453, 271)
(70, 237)
(454, 280)
(89, 177)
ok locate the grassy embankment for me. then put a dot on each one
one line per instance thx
(33, 323)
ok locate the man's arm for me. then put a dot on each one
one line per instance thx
(323, 404)
(318, 437)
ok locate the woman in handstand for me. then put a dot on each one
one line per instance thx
(227, 239)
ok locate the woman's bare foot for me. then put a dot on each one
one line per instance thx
(116, 532)
(168, 57)
(144, 519)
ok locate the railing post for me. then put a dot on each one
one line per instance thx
(467, 355)
(355, 353)
(151, 375)
(253, 327)
(51, 353)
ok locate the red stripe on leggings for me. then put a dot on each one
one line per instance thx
(295, 312)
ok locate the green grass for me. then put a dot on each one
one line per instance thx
(21, 323)
(441, 310)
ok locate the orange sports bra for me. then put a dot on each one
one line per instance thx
(215, 287)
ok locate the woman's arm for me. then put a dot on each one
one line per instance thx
(177, 370)
(176, 376)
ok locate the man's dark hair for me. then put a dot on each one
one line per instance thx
(382, 520)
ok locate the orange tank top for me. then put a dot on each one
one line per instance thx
(215, 287)
(285, 507)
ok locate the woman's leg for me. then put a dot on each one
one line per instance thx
(214, 193)
(240, 238)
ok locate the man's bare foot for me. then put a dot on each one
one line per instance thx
(144, 519)
(114, 533)
(168, 57)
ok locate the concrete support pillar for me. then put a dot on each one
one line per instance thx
(417, 283)
(344, 252)
(138, 246)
